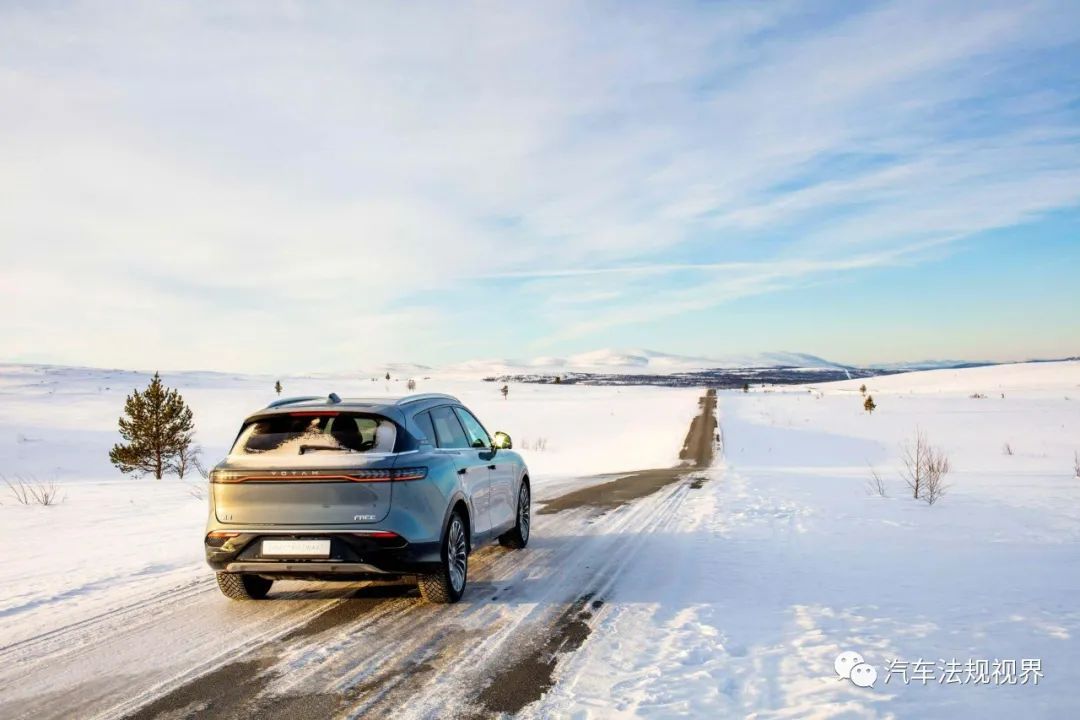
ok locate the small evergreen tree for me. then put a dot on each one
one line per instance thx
(869, 405)
(746, 387)
(157, 426)
(505, 390)
(277, 387)
(862, 388)
(411, 384)
(558, 379)
(388, 376)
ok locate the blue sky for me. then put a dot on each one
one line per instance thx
(328, 186)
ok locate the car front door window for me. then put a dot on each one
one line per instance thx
(478, 437)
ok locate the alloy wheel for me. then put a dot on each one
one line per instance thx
(523, 512)
(457, 557)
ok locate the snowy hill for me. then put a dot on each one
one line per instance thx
(631, 362)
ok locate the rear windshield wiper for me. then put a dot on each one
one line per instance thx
(338, 448)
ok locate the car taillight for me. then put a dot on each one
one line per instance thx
(410, 473)
(368, 475)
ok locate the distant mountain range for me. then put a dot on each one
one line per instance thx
(651, 362)
(649, 367)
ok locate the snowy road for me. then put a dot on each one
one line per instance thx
(336, 650)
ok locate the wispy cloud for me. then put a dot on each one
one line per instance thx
(238, 177)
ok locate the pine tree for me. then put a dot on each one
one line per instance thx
(862, 389)
(869, 405)
(387, 376)
(505, 390)
(746, 387)
(157, 426)
(277, 387)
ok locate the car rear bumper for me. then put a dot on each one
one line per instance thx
(352, 554)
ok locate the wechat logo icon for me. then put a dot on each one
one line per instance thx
(851, 666)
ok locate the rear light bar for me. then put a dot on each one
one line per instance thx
(387, 475)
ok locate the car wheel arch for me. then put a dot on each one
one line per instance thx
(459, 505)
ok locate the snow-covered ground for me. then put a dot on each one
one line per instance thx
(114, 539)
(731, 599)
(740, 603)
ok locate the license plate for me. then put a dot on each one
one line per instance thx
(296, 548)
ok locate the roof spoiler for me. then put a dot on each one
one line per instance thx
(290, 401)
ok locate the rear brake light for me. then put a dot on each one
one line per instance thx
(384, 534)
(368, 475)
(412, 473)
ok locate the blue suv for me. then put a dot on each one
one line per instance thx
(330, 489)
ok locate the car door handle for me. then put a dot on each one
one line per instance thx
(491, 467)
(462, 471)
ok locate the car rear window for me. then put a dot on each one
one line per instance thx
(303, 433)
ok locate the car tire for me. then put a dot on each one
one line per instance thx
(518, 536)
(238, 586)
(448, 584)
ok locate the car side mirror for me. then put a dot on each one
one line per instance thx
(502, 441)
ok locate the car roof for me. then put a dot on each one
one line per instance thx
(394, 407)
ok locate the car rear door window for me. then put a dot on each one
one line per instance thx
(478, 437)
(423, 421)
(448, 429)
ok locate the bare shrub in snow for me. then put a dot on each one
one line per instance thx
(411, 385)
(862, 388)
(876, 484)
(937, 467)
(913, 456)
(537, 445)
(977, 396)
(28, 491)
(1076, 464)
(925, 468)
(505, 390)
(1007, 449)
(186, 458)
